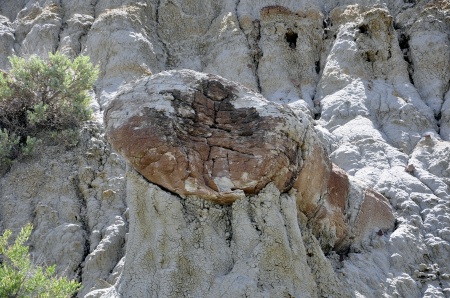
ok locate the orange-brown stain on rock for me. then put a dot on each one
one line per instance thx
(338, 190)
(208, 147)
(312, 180)
(375, 212)
(338, 187)
(275, 9)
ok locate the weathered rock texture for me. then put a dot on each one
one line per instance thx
(374, 74)
(253, 247)
(198, 134)
(76, 202)
(201, 135)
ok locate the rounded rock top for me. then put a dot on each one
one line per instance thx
(199, 134)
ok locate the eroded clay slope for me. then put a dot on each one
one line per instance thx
(374, 75)
(204, 138)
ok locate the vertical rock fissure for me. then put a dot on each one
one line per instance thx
(257, 52)
(94, 8)
(62, 15)
(168, 63)
(326, 28)
(252, 44)
(84, 226)
(403, 42)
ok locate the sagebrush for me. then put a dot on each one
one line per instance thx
(20, 278)
(40, 95)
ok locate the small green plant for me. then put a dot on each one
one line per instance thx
(69, 138)
(20, 278)
(8, 143)
(40, 95)
(29, 145)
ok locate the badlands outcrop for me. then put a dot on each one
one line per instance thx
(220, 141)
(215, 140)
(368, 79)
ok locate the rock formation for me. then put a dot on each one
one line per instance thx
(202, 137)
(198, 134)
(370, 81)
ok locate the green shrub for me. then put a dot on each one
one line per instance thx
(20, 278)
(8, 144)
(43, 95)
(69, 138)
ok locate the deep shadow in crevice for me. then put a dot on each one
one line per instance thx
(410, 75)
(317, 67)
(364, 29)
(438, 121)
(403, 41)
(291, 38)
(438, 117)
(370, 56)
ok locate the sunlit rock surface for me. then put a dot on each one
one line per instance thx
(373, 75)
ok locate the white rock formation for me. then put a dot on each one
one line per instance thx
(375, 75)
(201, 249)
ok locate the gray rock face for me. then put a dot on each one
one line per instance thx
(253, 247)
(75, 200)
(375, 76)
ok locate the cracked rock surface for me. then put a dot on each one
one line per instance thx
(199, 134)
(374, 76)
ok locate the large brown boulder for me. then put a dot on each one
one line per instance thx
(199, 134)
